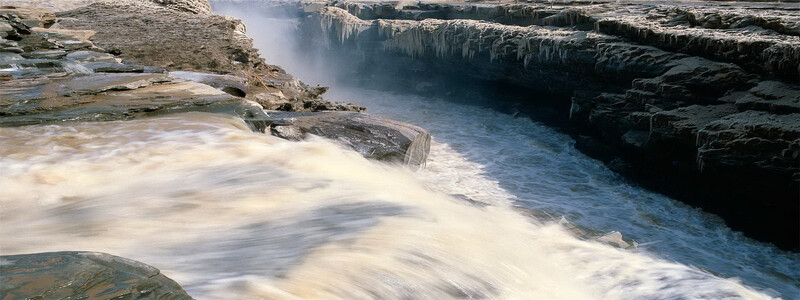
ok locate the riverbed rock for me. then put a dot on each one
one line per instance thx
(373, 137)
(106, 97)
(45, 54)
(83, 275)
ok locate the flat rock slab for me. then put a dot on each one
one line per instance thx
(82, 275)
(20, 91)
(107, 97)
(373, 137)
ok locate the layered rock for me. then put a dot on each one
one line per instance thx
(696, 101)
(83, 275)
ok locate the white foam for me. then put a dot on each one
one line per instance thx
(226, 211)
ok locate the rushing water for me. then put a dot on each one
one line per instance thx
(229, 213)
(537, 167)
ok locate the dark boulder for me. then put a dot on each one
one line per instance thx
(373, 137)
(82, 275)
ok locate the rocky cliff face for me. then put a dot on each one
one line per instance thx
(698, 102)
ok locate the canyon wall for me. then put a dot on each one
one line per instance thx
(699, 102)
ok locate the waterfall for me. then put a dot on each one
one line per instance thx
(226, 211)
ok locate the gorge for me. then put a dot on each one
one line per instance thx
(169, 137)
(690, 101)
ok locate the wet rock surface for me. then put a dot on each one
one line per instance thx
(373, 137)
(82, 275)
(697, 101)
(106, 97)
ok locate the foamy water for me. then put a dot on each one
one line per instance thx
(536, 167)
(229, 213)
(232, 214)
(497, 158)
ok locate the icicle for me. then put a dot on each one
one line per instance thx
(340, 22)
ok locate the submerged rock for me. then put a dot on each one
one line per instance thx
(82, 275)
(373, 137)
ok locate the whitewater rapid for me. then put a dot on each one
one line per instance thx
(227, 212)
(230, 213)
(533, 166)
